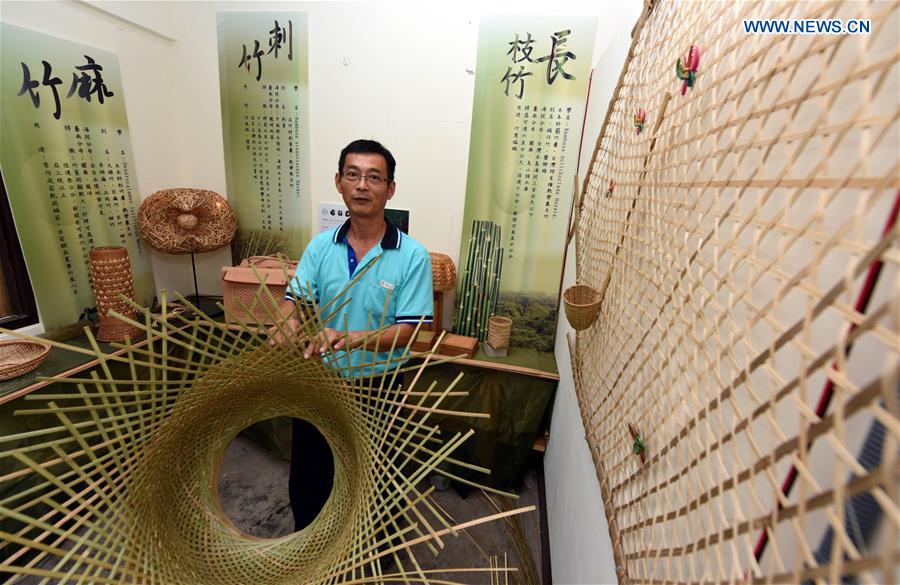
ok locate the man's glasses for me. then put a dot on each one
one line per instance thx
(373, 180)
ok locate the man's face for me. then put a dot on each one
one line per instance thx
(364, 195)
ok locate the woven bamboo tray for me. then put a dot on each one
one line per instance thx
(19, 357)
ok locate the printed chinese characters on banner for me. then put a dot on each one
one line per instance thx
(530, 93)
(263, 84)
(67, 162)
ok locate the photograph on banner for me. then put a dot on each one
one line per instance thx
(68, 167)
(333, 215)
(531, 83)
(264, 88)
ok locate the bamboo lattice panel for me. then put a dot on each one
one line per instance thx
(734, 251)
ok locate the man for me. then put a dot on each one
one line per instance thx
(395, 293)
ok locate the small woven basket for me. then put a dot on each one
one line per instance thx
(443, 272)
(582, 305)
(19, 357)
(498, 331)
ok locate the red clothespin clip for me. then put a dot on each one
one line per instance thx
(612, 186)
(686, 67)
(637, 447)
(639, 119)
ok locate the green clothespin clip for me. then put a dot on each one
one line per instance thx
(638, 447)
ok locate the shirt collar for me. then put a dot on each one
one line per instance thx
(390, 240)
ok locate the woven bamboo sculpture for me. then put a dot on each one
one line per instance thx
(744, 330)
(118, 486)
(186, 221)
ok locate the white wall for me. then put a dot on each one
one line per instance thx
(580, 546)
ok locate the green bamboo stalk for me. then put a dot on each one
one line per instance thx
(475, 285)
(474, 278)
(462, 296)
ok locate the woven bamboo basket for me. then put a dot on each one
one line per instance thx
(443, 272)
(112, 278)
(582, 304)
(498, 331)
(19, 357)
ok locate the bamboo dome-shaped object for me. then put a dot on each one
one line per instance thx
(186, 221)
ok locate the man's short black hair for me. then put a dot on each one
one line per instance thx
(368, 147)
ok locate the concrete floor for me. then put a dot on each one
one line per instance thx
(253, 491)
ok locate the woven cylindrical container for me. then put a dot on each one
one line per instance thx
(443, 272)
(498, 331)
(582, 305)
(111, 274)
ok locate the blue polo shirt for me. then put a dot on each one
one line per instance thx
(396, 289)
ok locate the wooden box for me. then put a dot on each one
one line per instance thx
(424, 341)
(455, 345)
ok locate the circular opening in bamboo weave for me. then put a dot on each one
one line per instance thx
(174, 493)
(139, 471)
(256, 501)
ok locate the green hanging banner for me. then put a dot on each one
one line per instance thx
(263, 79)
(65, 153)
(531, 84)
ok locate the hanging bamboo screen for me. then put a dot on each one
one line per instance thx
(737, 241)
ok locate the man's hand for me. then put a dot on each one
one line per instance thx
(327, 340)
(285, 333)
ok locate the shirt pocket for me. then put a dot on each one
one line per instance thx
(382, 300)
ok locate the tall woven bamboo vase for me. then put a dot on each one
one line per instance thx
(112, 279)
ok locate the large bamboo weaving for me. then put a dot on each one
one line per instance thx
(118, 482)
(737, 242)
